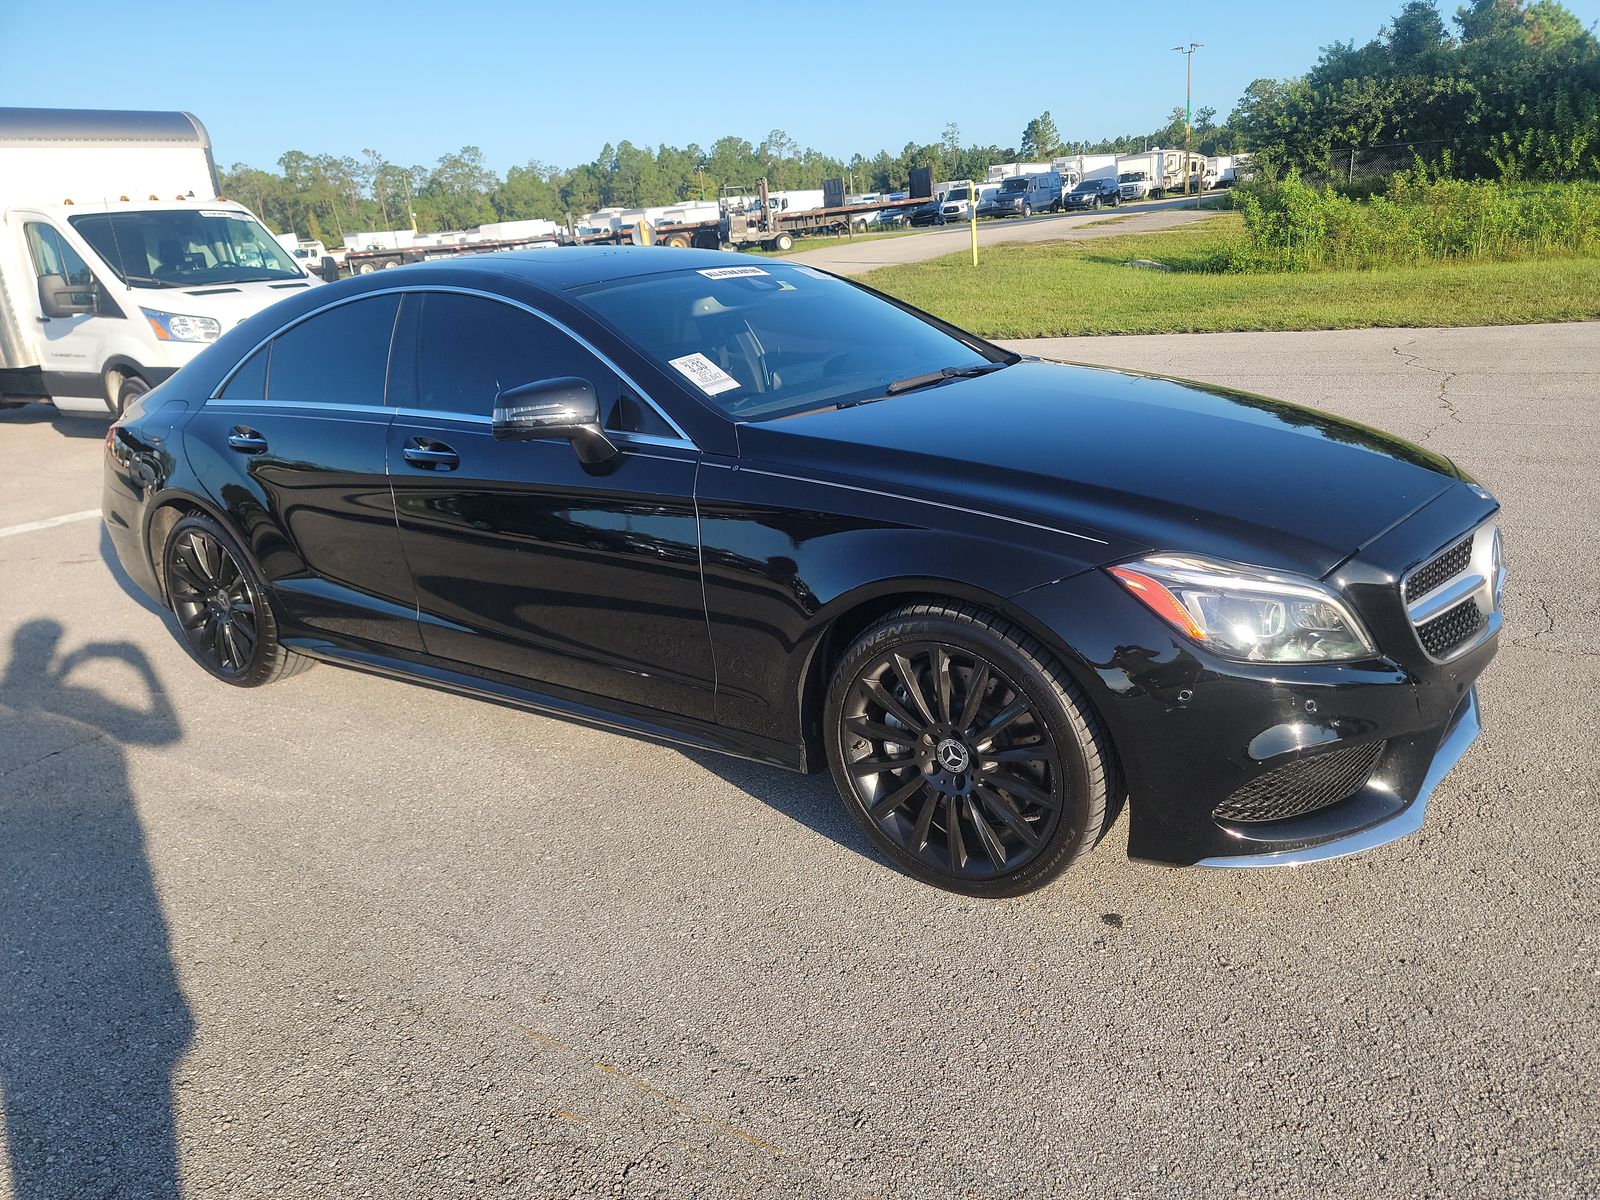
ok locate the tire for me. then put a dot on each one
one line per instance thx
(783, 242)
(366, 268)
(129, 390)
(1027, 210)
(678, 241)
(225, 621)
(1095, 204)
(1019, 822)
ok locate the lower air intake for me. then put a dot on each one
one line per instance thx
(1303, 786)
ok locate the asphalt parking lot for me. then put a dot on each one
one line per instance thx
(348, 937)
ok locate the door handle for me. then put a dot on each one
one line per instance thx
(431, 455)
(246, 441)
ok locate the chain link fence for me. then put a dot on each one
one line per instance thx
(1353, 163)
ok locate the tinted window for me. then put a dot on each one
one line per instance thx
(340, 356)
(468, 350)
(761, 341)
(250, 383)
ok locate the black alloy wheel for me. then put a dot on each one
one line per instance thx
(964, 753)
(224, 620)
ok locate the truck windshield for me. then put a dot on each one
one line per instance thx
(1014, 185)
(186, 247)
(958, 194)
(774, 340)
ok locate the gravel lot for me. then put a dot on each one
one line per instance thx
(348, 937)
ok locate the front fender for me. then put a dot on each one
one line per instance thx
(785, 558)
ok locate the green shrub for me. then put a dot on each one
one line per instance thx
(1419, 218)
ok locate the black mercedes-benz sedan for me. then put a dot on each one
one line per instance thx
(743, 505)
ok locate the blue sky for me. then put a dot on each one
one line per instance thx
(525, 81)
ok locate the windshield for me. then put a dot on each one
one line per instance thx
(958, 194)
(775, 340)
(1132, 177)
(1088, 185)
(186, 247)
(1014, 185)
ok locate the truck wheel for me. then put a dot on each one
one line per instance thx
(678, 241)
(366, 268)
(390, 263)
(1027, 210)
(129, 390)
(783, 242)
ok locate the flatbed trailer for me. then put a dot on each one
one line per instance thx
(364, 262)
(778, 230)
(757, 226)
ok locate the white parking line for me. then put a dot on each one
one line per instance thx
(49, 522)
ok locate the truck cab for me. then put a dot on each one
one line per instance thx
(957, 202)
(119, 262)
(106, 300)
(1134, 185)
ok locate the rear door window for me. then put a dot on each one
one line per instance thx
(340, 356)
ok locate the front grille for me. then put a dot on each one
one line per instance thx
(1302, 786)
(1446, 567)
(1450, 628)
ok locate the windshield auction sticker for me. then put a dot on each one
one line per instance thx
(702, 372)
(731, 272)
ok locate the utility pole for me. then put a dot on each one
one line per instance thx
(1188, 106)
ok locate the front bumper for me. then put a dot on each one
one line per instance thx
(1391, 817)
(1201, 739)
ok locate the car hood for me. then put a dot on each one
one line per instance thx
(1142, 462)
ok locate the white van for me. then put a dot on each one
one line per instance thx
(118, 260)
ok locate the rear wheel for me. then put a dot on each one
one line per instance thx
(965, 753)
(783, 242)
(224, 620)
(679, 241)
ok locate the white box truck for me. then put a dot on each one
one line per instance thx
(118, 260)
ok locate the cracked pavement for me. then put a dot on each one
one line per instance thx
(345, 937)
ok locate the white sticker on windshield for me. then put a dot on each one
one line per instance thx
(212, 212)
(813, 272)
(731, 272)
(705, 374)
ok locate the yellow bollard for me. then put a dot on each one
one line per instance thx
(972, 207)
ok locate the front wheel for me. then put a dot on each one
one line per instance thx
(783, 243)
(1027, 210)
(224, 619)
(129, 390)
(965, 752)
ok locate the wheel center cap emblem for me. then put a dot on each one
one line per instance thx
(953, 756)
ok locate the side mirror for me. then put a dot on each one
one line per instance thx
(58, 298)
(565, 407)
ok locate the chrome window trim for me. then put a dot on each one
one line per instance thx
(682, 438)
(1482, 580)
(335, 405)
(975, 512)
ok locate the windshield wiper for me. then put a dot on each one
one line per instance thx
(939, 376)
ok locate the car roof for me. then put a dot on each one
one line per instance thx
(563, 267)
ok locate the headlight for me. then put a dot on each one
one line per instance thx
(175, 327)
(1247, 612)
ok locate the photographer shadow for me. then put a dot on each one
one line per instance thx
(92, 1019)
